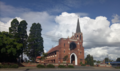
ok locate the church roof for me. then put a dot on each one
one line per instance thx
(53, 49)
(78, 27)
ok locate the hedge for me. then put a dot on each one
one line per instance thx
(61, 66)
(9, 66)
(70, 66)
(40, 66)
(50, 66)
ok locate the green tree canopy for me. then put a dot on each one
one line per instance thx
(43, 56)
(22, 35)
(118, 60)
(65, 58)
(108, 60)
(9, 48)
(35, 42)
(89, 60)
(14, 28)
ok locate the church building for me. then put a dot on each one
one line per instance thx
(72, 48)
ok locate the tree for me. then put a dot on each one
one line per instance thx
(14, 28)
(89, 60)
(22, 35)
(98, 61)
(65, 58)
(43, 56)
(108, 60)
(118, 60)
(94, 61)
(35, 42)
(9, 48)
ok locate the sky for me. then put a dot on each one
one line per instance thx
(99, 22)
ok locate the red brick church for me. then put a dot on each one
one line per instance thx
(71, 47)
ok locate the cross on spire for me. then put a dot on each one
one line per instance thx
(78, 27)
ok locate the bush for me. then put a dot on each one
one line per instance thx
(61, 66)
(70, 66)
(83, 65)
(9, 66)
(117, 67)
(40, 66)
(65, 58)
(0, 66)
(14, 66)
(50, 66)
(5, 66)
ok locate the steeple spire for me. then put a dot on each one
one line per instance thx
(78, 27)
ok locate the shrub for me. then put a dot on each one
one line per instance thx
(65, 58)
(0, 66)
(61, 66)
(9, 66)
(83, 65)
(14, 66)
(70, 66)
(50, 66)
(5, 66)
(117, 67)
(40, 66)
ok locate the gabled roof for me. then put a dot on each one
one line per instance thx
(53, 49)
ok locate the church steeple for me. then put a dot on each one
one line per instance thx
(78, 27)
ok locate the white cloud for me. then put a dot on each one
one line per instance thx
(8, 10)
(45, 51)
(99, 53)
(43, 18)
(46, 21)
(114, 34)
(100, 34)
(5, 26)
(65, 27)
(116, 19)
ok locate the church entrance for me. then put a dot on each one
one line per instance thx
(73, 58)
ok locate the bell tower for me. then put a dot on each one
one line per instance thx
(78, 33)
(76, 46)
